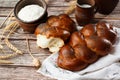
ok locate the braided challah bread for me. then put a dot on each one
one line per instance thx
(55, 32)
(87, 46)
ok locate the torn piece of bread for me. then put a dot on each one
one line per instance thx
(55, 32)
(54, 44)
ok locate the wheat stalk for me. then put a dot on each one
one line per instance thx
(6, 29)
(6, 18)
(9, 44)
(12, 47)
(9, 27)
(36, 61)
(9, 19)
(9, 15)
(13, 27)
(8, 56)
(1, 47)
(5, 62)
(2, 50)
(71, 8)
(47, 1)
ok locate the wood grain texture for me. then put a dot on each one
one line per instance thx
(20, 73)
(22, 69)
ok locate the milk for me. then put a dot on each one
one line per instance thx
(30, 13)
(85, 6)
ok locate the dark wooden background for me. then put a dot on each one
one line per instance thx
(22, 68)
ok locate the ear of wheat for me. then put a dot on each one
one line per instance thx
(9, 15)
(47, 1)
(36, 62)
(71, 8)
(5, 62)
(9, 44)
(8, 56)
(11, 28)
(12, 47)
(7, 27)
(1, 47)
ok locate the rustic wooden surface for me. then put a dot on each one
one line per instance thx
(22, 68)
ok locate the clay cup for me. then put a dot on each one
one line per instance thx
(84, 12)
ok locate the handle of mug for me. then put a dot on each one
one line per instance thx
(95, 9)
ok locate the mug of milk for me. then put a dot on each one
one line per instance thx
(84, 12)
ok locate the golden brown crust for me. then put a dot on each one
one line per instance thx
(86, 46)
(77, 39)
(84, 54)
(107, 32)
(69, 61)
(88, 30)
(57, 26)
(99, 45)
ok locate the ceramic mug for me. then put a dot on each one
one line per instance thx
(84, 12)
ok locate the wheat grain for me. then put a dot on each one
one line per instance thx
(9, 44)
(11, 28)
(2, 51)
(1, 47)
(12, 47)
(36, 62)
(8, 56)
(71, 8)
(9, 15)
(5, 62)
(47, 1)
(9, 19)
(7, 28)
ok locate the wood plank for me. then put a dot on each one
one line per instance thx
(20, 73)
(59, 10)
(57, 7)
(22, 69)
(8, 3)
(114, 20)
(25, 60)
(21, 45)
(11, 3)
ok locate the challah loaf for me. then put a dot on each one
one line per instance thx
(87, 46)
(55, 32)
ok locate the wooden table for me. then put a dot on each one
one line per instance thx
(22, 68)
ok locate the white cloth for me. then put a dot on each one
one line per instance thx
(107, 67)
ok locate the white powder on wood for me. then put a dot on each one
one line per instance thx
(30, 13)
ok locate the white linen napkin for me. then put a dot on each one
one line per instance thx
(107, 67)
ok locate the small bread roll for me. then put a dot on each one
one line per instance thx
(55, 32)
